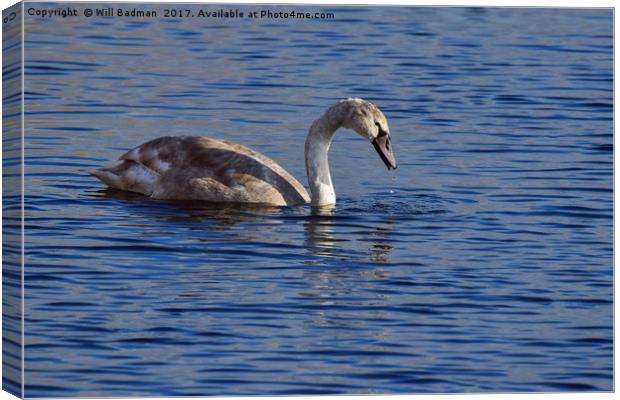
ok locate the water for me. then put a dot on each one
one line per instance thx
(483, 264)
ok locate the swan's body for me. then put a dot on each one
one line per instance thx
(201, 168)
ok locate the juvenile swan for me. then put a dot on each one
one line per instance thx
(201, 168)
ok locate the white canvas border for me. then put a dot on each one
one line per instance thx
(483, 3)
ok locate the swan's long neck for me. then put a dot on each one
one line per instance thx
(317, 164)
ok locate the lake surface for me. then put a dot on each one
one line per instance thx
(483, 264)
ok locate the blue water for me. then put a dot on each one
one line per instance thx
(483, 264)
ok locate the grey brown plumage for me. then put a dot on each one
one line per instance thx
(202, 168)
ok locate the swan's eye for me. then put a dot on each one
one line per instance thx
(381, 131)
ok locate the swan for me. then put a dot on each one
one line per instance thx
(202, 168)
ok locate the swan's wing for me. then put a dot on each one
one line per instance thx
(186, 158)
(269, 170)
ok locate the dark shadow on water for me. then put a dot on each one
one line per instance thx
(381, 249)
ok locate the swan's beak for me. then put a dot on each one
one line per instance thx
(383, 145)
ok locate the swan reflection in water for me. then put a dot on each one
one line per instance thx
(328, 232)
(322, 239)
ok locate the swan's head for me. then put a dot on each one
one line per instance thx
(368, 121)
